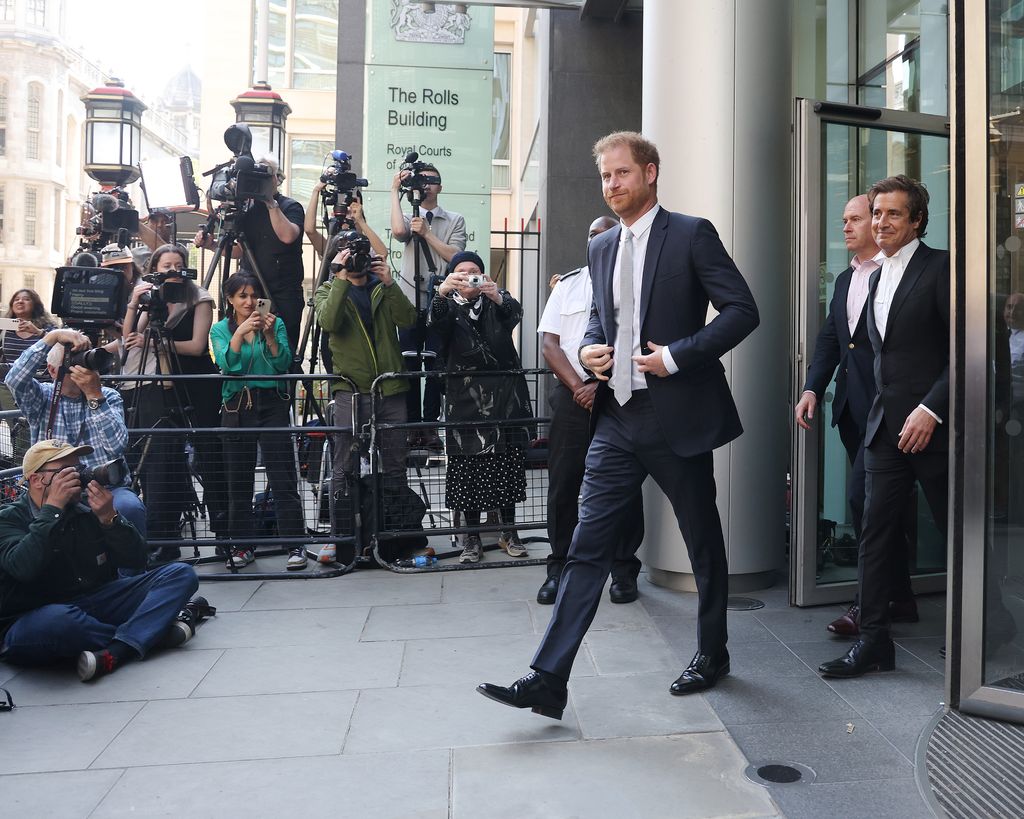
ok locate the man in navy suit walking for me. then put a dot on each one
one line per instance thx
(662, 408)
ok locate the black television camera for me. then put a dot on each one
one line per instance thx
(338, 178)
(242, 178)
(107, 217)
(415, 180)
(163, 293)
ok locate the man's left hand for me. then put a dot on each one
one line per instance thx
(101, 501)
(917, 431)
(381, 269)
(88, 381)
(652, 363)
(419, 225)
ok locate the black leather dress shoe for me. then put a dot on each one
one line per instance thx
(862, 657)
(702, 673)
(623, 590)
(531, 691)
(548, 592)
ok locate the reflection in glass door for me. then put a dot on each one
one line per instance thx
(842, 150)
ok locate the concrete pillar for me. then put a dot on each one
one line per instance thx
(717, 101)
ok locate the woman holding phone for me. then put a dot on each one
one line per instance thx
(253, 342)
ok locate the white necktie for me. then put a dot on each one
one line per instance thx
(622, 372)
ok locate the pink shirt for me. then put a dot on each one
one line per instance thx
(858, 293)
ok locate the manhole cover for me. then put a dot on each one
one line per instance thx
(779, 773)
(744, 604)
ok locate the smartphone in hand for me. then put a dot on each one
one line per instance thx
(263, 307)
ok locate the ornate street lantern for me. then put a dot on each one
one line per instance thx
(263, 110)
(113, 134)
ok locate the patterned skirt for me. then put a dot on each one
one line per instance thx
(483, 482)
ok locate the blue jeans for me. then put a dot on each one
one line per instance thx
(130, 507)
(136, 610)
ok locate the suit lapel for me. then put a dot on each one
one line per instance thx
(655, 242)
(910, 276)
(606, 264)
(842, 292)
(869, 309)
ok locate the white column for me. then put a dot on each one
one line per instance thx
(717, 101)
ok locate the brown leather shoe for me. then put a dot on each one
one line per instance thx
(848, 625)
(903, 611)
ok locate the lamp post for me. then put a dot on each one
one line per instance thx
(113, 134)
(263, 110)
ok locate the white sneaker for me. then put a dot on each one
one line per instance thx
(296, 559)
(472, 549)
(327, 554)
(513, 546)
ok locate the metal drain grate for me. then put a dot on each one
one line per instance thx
(779, 773)
(976, 766)
(744, 604)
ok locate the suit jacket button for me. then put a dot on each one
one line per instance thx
(852, 345)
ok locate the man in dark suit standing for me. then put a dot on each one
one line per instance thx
(906, 437)
(843, 349)
(663, 407)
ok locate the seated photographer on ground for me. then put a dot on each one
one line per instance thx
(252, 342)
(86, 413)
(362, 309)
(273, 229)
(486, 464)
(26, 308)
(60, 596)
(167, 329)
(353, 212)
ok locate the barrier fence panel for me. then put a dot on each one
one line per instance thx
(484, 474)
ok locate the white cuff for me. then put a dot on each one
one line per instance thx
(932, 414)
(668, 361)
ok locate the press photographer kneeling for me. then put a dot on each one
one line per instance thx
(60, 594)
(84, 412)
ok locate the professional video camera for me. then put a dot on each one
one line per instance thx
(415, 180)
(339, 179)
(163, 293)
(242, 178)
(96, 359)
(89, 296)
(107, 218)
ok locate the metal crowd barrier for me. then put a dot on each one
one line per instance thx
(379, 518)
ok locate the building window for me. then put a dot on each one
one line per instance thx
(59, 152)
(315, 54)
(31, 204)
(3, 117)
(307, 163)
(2, 190)
(33, 119)
(36, 12)
(501, 176)
(58, 212)
(7, 11)
(28, 281)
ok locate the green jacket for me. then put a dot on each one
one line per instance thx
(53, 555)
(354, 356)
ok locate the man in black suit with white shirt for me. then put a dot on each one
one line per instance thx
(906, 437)
(663, 407)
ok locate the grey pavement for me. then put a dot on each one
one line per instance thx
(354, 697)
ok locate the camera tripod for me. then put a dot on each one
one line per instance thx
(230, 236)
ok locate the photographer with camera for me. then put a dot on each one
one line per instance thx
(273, 229)
(84, 414)
(441, 234)
(166, 331)
(60, 594)
(362, 309)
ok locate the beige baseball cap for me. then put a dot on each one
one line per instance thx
(114, 254)
(43, 452)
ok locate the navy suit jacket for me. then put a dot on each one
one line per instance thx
(852, 355)
(685, 269)
(912, 362)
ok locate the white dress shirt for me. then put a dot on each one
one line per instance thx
(641, 230)
(567, 315)
(857, 295)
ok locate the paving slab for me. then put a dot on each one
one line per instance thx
(426, 717)
(637, 705)
(632, 652)
(487, 585)
(231, 728)
(795, 625)
(228, 595)
(264, 629)
(681, 632)
(7, 671)
(836, 750)
(926, 649)
(36, 738)
(852, 800)
(610, 616)
(903, 732)
(366, 587)
(460, 661)
(163, 675)
(697, 775)
(662, 602)
(303, 668)
(447, 620)
(65, 795)
(742, 700)
(383, 786)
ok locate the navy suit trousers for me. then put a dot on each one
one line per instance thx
(628, 445)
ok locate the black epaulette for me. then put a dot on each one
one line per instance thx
(571, 273)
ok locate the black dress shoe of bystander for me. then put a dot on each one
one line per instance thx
(623, 590)
(863, 656)
(548, 592)
(702, 673)
(532, 691)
